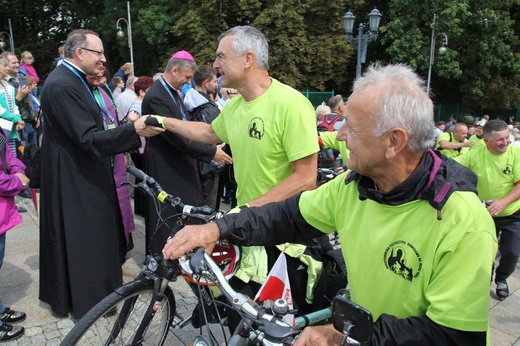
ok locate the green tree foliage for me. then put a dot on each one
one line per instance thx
(481, 65)
(306, 39)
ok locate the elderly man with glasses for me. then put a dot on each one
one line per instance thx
(82, 243)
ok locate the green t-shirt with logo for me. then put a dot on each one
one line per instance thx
(265, 136)
(497, 174)
(403, 261)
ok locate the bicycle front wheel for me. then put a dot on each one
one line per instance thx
(117, 318)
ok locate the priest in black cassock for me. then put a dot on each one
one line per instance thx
(171, 158)
(81, 231)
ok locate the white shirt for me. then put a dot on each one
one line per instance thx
(123, 101)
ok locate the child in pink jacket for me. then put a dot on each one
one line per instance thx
(12, 181)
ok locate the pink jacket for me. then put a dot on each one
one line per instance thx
(31, 71)
(10, 186)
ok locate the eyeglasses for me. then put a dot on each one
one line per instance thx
(98, 52)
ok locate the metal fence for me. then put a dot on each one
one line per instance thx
(441, 112)
(317, 97)
(464, 113)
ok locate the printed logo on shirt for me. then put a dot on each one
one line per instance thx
(256, 128)
(508, 169)
(403, 259)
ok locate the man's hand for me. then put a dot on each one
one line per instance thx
(221, 157)
(23, 90)
(319, 336)
(19, 125)
(496, 206)
(23, 178)
(468, 144)
(191, 237)
(147, 131)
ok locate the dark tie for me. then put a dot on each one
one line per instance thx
(3, 142)
(179, 104)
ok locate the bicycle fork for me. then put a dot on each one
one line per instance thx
(159, 287)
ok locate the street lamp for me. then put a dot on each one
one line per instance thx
(363, 39)
(442, 50)
(121, 34)
(9, 36)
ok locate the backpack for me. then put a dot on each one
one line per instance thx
(327, 156)
(327, 122)
(438, 147)
(31, 158)
(332, 279)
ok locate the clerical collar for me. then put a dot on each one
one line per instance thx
(75, 66)
(164, 79)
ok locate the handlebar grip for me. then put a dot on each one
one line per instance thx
(136, 172)
(152, 121)
(203, 210)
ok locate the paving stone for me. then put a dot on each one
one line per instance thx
(65, 323)
(34, 331)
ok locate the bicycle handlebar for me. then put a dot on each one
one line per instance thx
(152, 187)
(201, 263)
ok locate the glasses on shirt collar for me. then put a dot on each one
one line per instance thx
(99, 53)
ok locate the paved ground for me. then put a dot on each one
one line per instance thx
(19, 289)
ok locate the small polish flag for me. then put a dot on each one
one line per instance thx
(277, 286)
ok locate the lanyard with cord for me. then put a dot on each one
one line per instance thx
(106, 117)
(173, 98)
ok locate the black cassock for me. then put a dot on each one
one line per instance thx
(80, 225)
(171, 160)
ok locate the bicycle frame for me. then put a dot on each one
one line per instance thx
(260, 325)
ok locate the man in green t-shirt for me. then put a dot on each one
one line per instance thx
(271, 129)
(453, 144)
(497, 165)
(478, 136)
(418, 243)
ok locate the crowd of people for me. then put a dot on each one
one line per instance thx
(398, 200)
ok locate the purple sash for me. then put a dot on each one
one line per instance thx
(119, 172)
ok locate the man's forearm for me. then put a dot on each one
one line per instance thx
(303, 178)
(421, 331)
(513, 196)
(194, 130)
(294, 184)
(450, 145)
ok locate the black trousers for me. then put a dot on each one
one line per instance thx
(508, 233)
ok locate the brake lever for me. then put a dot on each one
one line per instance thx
(197, 263)
(124, 183)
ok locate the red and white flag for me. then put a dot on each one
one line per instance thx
(277, 286)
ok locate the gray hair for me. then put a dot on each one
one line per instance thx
(459, 127)
(403, 104)
(248, 38)
(76, 39)
(182, 64)
(3, 60)
(130, 81)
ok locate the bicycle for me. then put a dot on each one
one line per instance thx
(326, 175)
(142, 311)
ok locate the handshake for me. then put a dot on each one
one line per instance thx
(149, 125)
